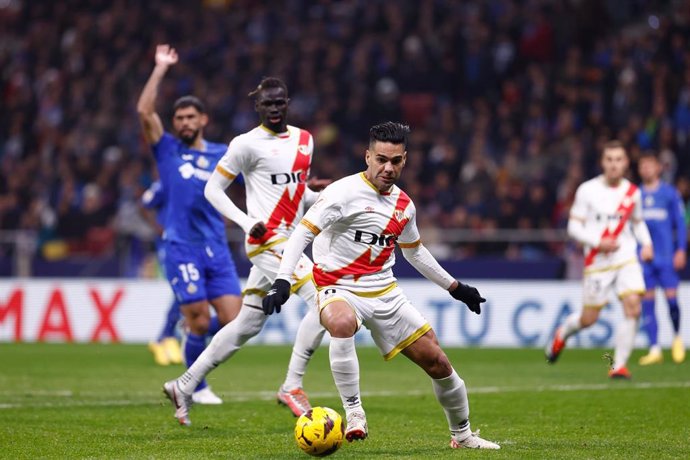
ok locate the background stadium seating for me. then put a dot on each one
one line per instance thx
(509, 102)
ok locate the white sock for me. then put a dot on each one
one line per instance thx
(309, 336)
(224, 344)
(452, 395)
(345, 370)
(571, 325)
(625, 338)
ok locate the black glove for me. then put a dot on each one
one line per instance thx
(277, 296)
(469, 295)
(258, 230)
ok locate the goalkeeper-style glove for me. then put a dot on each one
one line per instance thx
(469, 295)
(276, 297)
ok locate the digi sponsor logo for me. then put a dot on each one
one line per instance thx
(295, 177)
(362, 236)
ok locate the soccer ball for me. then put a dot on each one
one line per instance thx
(319, 431)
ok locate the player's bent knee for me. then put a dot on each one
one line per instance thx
(339, 320)
(341, 328)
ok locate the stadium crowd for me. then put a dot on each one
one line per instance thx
(509, 101)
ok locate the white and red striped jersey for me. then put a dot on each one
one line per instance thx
(601, 207)
(275, 168)
(357, 229)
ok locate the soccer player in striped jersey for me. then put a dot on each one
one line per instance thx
(199, 266)
(662, 209)
(355, 225)
(606, 218)
(274, 159)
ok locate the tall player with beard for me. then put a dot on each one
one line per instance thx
(355, 225)
(198, 263)
(274, 159)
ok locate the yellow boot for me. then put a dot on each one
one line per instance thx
(172, 349)
(159, 354)
(678, 350)
(653, 357)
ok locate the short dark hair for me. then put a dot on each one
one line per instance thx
(395, 133)
(269, 82)
(189, 101)
(649, 154)
(613, 144)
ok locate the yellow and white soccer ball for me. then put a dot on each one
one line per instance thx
(319, 431)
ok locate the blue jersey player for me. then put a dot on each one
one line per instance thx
(166, 348)
(663, 214)
(198, 263)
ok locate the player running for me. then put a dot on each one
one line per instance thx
(606, 218)
(355, 225)
(662, 209)
(199, 266)
(274, 159)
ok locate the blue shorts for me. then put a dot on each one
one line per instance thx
(200, 272)
(662, 275)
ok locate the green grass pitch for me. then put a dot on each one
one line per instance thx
(104, 401)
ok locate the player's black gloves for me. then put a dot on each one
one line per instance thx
(276, 297)
(258, 230)
(469, 295)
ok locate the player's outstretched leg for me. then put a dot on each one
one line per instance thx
(555, 346)
(194, 346)
(224, 344)
(309, 336)
(452, 395)
(625, 337)
(345, 370)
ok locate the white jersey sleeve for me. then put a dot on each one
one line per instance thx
(237, 159)
(327, 209)
(409, 238)
(577, 222)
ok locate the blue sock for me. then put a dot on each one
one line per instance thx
(170, 321)
(649, 324)
(213, 326)
(674, 311)
(193, 347)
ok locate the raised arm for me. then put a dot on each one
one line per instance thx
(146, 106)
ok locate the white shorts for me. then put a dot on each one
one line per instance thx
(264, 270)
(623, 280)
(393, 321)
